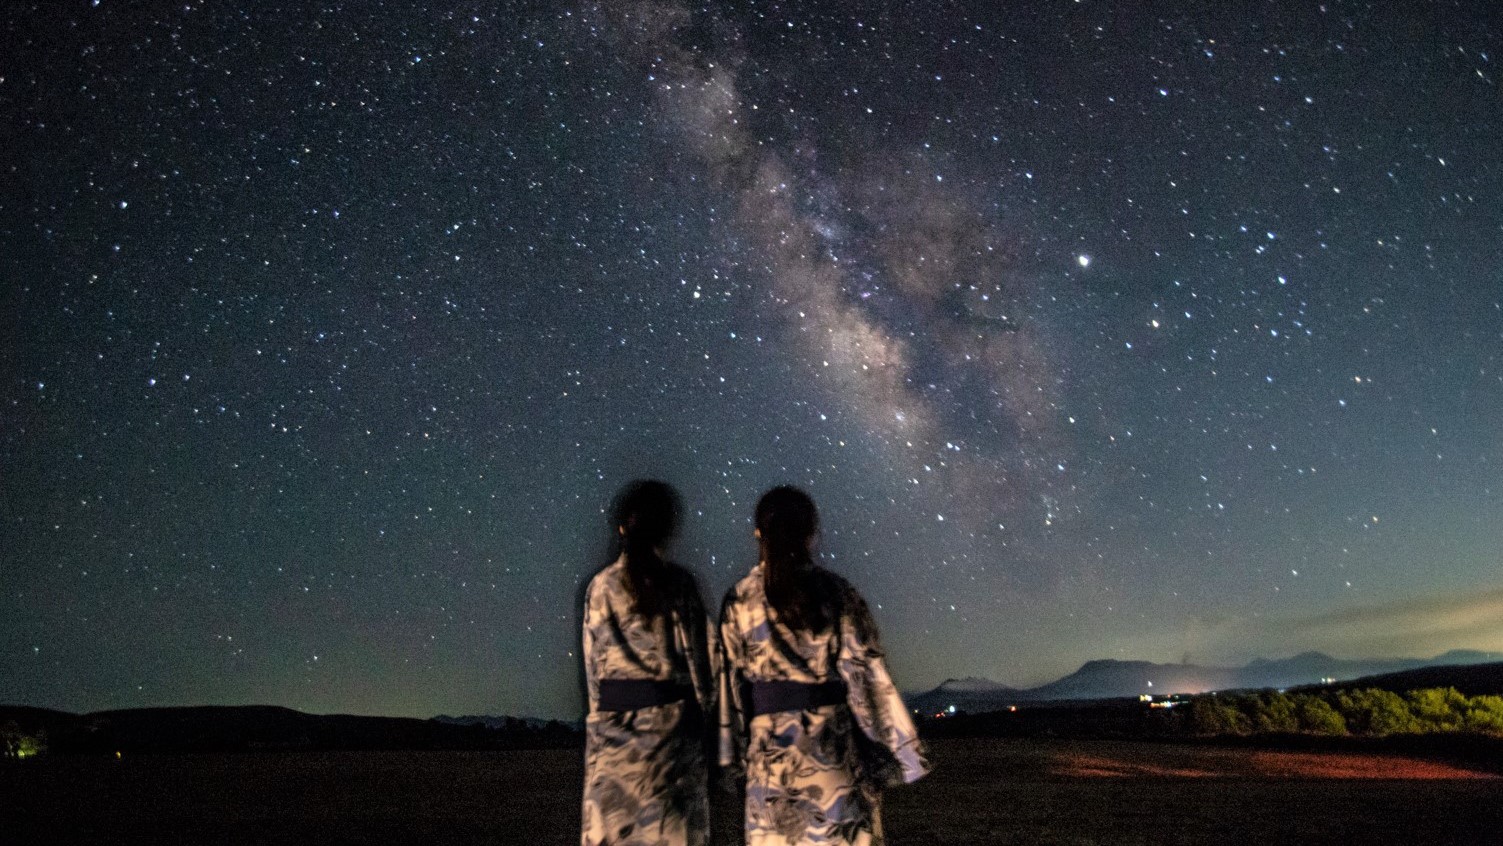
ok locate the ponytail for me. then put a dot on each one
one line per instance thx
(796, 589)
(646, 514)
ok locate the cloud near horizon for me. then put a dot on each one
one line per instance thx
(1421, 627)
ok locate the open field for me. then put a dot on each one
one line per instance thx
(983, 791)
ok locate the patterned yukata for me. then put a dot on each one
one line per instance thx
(809, 778)
(646, 771)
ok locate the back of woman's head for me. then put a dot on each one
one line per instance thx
(646, 515)
(786, 522)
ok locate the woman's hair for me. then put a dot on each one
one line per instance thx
(646, 512)
(796, 589)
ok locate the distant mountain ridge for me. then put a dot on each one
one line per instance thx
(1111, 678)
(232, 728)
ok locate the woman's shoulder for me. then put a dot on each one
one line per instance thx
(607, 577)
(681, 581)
(747, 586)
(836, 584)
(848, 603)
(745, 592)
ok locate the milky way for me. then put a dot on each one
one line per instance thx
(894, 290)
(1094, 333)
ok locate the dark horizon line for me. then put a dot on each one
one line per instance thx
(907, 693)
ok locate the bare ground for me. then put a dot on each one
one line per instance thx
(982, 791)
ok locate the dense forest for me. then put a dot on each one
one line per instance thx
(1364, 712)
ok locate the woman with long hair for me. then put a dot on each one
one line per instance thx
(807, 707)
(650, 681)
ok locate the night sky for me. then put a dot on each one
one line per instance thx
(331, 330)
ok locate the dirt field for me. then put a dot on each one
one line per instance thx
(983, 791)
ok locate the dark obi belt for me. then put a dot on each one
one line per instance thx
(636, 694)
(771, 697)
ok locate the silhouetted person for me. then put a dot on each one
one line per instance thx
(650, 683)
(806, 704)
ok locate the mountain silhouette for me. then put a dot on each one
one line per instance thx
(1111, 678)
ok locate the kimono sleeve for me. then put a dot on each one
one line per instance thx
(875, 704)
(592, 618)
(733, 716)
(697, 643)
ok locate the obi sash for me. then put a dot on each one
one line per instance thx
(771, 697)
(636, 694)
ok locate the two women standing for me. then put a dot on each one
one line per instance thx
(807, 710)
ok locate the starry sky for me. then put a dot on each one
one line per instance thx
(331, 329)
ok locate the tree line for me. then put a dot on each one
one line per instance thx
(1365, 713)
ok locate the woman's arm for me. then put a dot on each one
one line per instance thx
(592, 617)
(732, 708)
(878, 709)
(697, 641)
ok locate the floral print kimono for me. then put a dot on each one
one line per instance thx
(812, 776)
(646, 770)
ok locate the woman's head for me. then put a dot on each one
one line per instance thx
(646, 514)
(787, 523)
